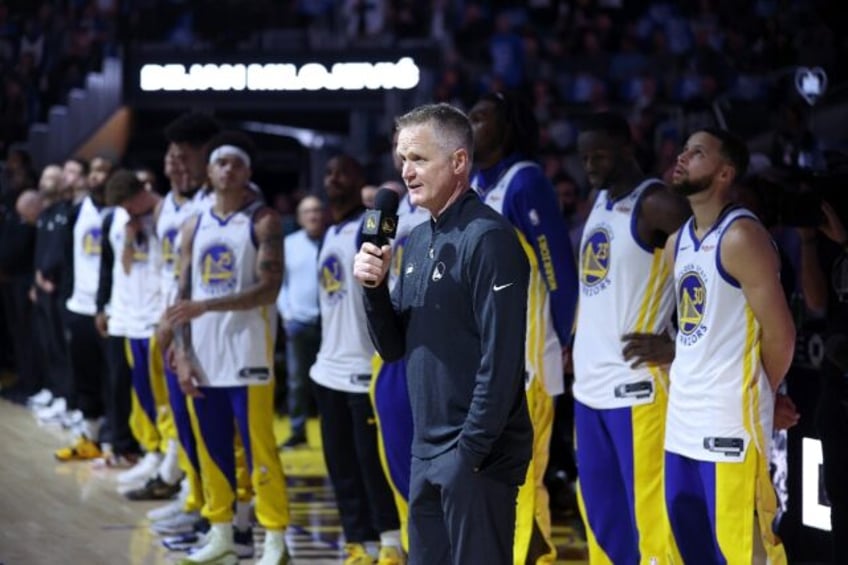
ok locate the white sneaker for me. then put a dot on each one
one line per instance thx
(275, 552)
(181, 523)
(218, 548)
(40, 399)
(71, 419)
(52, 413)
(169, 510)
(184, 542)
(143, 470)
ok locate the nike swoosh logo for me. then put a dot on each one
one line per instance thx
(497, 287)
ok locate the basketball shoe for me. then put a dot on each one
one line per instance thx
(218, 549)
(391, 555)
(82, 450)
(274, 551)
(357, 555)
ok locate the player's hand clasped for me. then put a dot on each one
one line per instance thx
(184, 311)
(187, 371)
(371, 264)
(642, 349)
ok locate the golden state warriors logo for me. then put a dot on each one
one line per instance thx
(691, 302)
(217, 269)
(331, 278)
(595, 261)
(169, 247)
(91, 242)
(141, 250)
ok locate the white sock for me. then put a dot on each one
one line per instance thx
(242, 517)
(390, 538)
(276, 533)
(372, 548)
(169, 469)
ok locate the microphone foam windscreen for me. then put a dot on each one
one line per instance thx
(387, 201)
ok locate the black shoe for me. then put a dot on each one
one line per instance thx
(201, 526)
(294, 441)
(154, 489)
(243, 542)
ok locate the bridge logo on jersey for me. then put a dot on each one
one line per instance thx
(217, 269)
(691, 303)
(141, 249)
(595, 262)
(91, 242)
(169, 247)
(331, 278)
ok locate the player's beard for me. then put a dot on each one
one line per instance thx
(98, 192)
(688, 187)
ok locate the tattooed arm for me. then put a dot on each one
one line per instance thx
(183, 356)
(269, 267)
(269, 273)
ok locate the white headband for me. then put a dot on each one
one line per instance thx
(229, 151)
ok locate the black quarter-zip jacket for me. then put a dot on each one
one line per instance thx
(458, 316)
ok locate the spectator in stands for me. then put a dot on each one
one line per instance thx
(506, 50)
(364, 18)
(13, 110)
(18, 171)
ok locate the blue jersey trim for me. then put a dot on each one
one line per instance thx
(721, 270)
(721, 216)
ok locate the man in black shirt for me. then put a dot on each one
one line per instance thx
(17, 247)
(458, 317)
(49, 306)
(824, 264)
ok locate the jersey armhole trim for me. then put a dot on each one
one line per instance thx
(728, 278)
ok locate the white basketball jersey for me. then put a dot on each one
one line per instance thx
(625, 287)
(232, 348)
(409, 216)
(344, 359)
(135, 304)
(543, 351)
(204, 199)
(88, 237)
(720, 397)
(171, 218)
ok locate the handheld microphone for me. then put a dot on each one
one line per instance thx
(380, 224)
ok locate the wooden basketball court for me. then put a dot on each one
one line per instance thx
(52, 512)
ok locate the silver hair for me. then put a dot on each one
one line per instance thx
(451, 124)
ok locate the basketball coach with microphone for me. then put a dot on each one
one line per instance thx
(458, 316)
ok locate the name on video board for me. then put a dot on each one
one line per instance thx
(403, 74)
